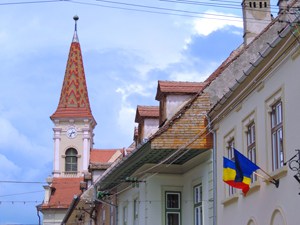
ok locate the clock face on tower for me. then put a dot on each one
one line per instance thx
(71, 132)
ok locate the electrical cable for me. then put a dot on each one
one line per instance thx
(23, 193)
(143, 172)
(187, 13)
(162, 11)
(161, 8)
(32, 2)
(22, 182)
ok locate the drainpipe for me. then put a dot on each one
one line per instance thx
(117, 211)
(107, 203)
(214, 169)
(215, 186)
(38, 214)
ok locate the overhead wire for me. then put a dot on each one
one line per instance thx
(224, 4)
(204, 130)
(31, 2)
(23, 193)
(132, 5)
(22, 182)
(162, 8)
(167, 11)
(152, 9)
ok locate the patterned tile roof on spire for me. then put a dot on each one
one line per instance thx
(74, 100)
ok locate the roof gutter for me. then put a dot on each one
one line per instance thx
(118, 166)
(246, 73)
(71, 208)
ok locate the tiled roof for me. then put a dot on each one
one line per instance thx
(233, 55)
(104, 155)
(224, 65)
(177, 87)
(146, 112)
(74, 100)
(63, 191)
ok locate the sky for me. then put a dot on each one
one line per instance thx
(127, 46)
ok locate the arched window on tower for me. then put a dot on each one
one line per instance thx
(71, 161)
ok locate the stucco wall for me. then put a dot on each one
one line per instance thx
(151, 195)
(264, 204)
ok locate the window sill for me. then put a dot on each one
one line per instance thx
(232, 199)
(254, 187)
(279, 173)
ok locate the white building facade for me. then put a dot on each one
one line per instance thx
(258, 116)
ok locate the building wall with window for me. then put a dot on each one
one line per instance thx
(170, 199)
(260, 119)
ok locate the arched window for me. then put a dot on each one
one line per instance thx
(278, 218)
(251, 222)
(71, 160)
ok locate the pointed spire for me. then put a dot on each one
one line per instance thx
(74, 100)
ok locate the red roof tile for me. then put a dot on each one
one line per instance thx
(177, 87)
(146, 112)
(63, 191)
(102, 155)
(74, 100)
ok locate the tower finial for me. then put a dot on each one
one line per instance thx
(75, 37)
(75, 18)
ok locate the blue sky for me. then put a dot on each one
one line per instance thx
(125, 53)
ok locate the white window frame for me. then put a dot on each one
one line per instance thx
(198, 206)
(230, 155)
(277, 135)
(136, 211)
(173, 210)
(111, 214)
(125, 215)
(251, 145)
(277, 97)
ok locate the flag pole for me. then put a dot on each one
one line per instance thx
(261, 176)
(273, 181)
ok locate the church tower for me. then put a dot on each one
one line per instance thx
(73, 119)
(256, 16)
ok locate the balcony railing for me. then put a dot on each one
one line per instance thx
(71, 174)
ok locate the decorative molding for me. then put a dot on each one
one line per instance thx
(254, 187)
(260, 86)
(230, 200)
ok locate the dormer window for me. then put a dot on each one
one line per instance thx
(71, 160)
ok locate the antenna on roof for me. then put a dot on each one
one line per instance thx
(75, 37)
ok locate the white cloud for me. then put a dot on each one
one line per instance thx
(8, 168)
(189, 76)
(131, 89)
(13, 141)
(126, 118)
(213, 21)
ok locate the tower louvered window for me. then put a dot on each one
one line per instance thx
(71, 160)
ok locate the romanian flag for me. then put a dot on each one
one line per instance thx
(238, 174)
